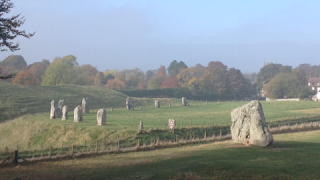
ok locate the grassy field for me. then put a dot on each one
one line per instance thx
(31, 131)
(292, 156)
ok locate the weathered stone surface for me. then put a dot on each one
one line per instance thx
(184, 101)
(64, 112)
(52, 110)
(58, 112)
(156, 103)
(101, 117)
(141, 126)
(77, 114)
(248, 125)
(85, 106)
(128, 103)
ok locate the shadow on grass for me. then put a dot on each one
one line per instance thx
(283, 160)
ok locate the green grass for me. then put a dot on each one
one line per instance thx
(293, 156)
(31, 131)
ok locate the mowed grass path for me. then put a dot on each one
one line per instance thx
(31, 131)
(292, 156)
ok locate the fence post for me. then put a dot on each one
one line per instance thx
(118, 145)
(97, 146)
(15, 157)
(220, 134)
(50, 152)
(205, 135)
(41, 150)
(72, 150)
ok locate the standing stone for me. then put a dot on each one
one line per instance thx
(52, 110)
(85, 107)
(128, 103)
(65, 112)
(111, 109)
(156, 103)
(58, 111)
(184, 101)
(248, 125)
(141, 126)
(77, 114)
(101, 117)
(169, 105)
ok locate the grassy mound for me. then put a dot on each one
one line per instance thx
(16, 100)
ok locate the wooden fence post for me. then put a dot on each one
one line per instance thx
(72, 150)
(205, 135)
(50, 152)
(41, 150)
(220, 134)
(97, 146)
(15, 157)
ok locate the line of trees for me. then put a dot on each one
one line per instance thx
(215, 79)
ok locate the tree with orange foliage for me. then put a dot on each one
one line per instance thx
(115, 84)
(25, 77)
(38, 69)
(171, 82)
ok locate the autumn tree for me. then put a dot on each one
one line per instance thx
(115, 84)
(38, 69)
(89, 75)
(170, 82)
(156, 81)
(25, 77)
(239, 86)
(215, 78)
(175, 67)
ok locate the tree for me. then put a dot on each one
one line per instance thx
(266, 73)
(175, 67)
(38, 69)
(239, 86)
(171, 82)
(62, 71)
(14, 63)
(25, 77)
(115, 84)
(286, 84)
(215, 78)
(89, 75)
(8, 27)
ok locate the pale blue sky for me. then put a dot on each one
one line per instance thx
(147, 33)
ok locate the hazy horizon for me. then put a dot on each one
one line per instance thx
(147, 34)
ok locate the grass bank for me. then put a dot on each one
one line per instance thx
(292, 156)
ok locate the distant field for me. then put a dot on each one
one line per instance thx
(293, 156)
(32, 131)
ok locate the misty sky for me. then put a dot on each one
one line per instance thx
(117, 34)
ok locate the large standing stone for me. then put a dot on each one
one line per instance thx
(65, 112)
(101, 117)
(156, 103)
(248, 125)
(52, 110)
(128, 103)
(77, 114)
(58, 112)
(184, 101)
(85, 107)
